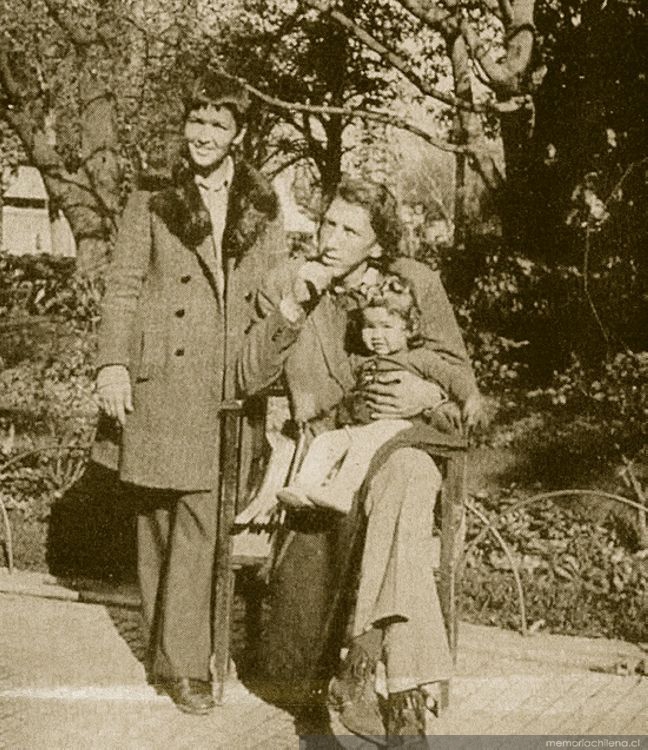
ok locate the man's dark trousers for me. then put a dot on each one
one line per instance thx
(176, 539)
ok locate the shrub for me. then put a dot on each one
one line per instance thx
(611, 399)
(47, 417)
(51, 393)
(525, 319)
(46, 404)
(47, 285)
(579, 572)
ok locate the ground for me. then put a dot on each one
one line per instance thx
(70, 677)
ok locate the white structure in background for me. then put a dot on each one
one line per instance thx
(27, 229)
(26, 225)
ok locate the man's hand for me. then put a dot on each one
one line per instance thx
(114, 392)
(399, 394)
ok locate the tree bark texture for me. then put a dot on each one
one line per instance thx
(88, 192)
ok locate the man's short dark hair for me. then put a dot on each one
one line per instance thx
(380, 204)
(218, 89)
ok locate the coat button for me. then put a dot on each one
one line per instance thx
(180, 313)
(186, 278)
(179, 352)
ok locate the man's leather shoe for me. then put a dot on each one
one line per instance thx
(191, 696)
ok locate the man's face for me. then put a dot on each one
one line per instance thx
(211, 132)
(346, 238)
(383, 332)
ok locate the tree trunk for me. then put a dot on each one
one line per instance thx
(509, 78)
(336, 80)
(515, 206)
(88, 195)
(460, 220)
(466, 133)
(332, 169)
(74, 192)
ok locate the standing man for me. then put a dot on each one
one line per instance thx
(185, 265)
(304, 332)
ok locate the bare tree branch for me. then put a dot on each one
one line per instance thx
(7, 80)
(506, 76)
(284, 165)
(435, 194)
(394, 59)
(69, 23)
(377, 115)
(157, 35)
(432, 15)
(316, 147)
(294, 148)
(506, 12)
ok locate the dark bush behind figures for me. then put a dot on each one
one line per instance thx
(91, 531)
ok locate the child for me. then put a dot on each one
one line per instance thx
(337, 461)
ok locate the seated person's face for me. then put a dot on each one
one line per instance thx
(211, 132)
(346, 238)
(383, 332)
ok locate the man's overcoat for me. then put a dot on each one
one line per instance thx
(163, 319)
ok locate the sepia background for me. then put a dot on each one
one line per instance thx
(515, 137)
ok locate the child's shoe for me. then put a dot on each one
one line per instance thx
(330, 498)
(294, 496)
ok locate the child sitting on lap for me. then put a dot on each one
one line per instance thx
(337, 461)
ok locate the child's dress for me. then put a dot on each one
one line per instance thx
(337, 461)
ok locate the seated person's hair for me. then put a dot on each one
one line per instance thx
(396, 295)
(381, 206)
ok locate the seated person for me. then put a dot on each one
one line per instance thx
(301, 334)
(337, 461)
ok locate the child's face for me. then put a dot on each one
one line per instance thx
(383, 332)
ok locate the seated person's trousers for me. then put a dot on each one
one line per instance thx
(397, 589)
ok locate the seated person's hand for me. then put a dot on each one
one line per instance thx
(473, 412)
(114, 392)
(310, 283)
(312, 279)
(449, 416)
(353, 409)
(399, 394)
(446, 418)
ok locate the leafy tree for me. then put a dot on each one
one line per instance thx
(57, 98)
(586, 190)
(81, 84)
(91, 90)
(563, 85)
(456, 40)
(293, 55)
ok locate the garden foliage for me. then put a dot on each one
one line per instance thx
(581, 569)
(582, 566)
(47, 409)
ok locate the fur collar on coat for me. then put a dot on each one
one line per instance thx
(252, 203)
